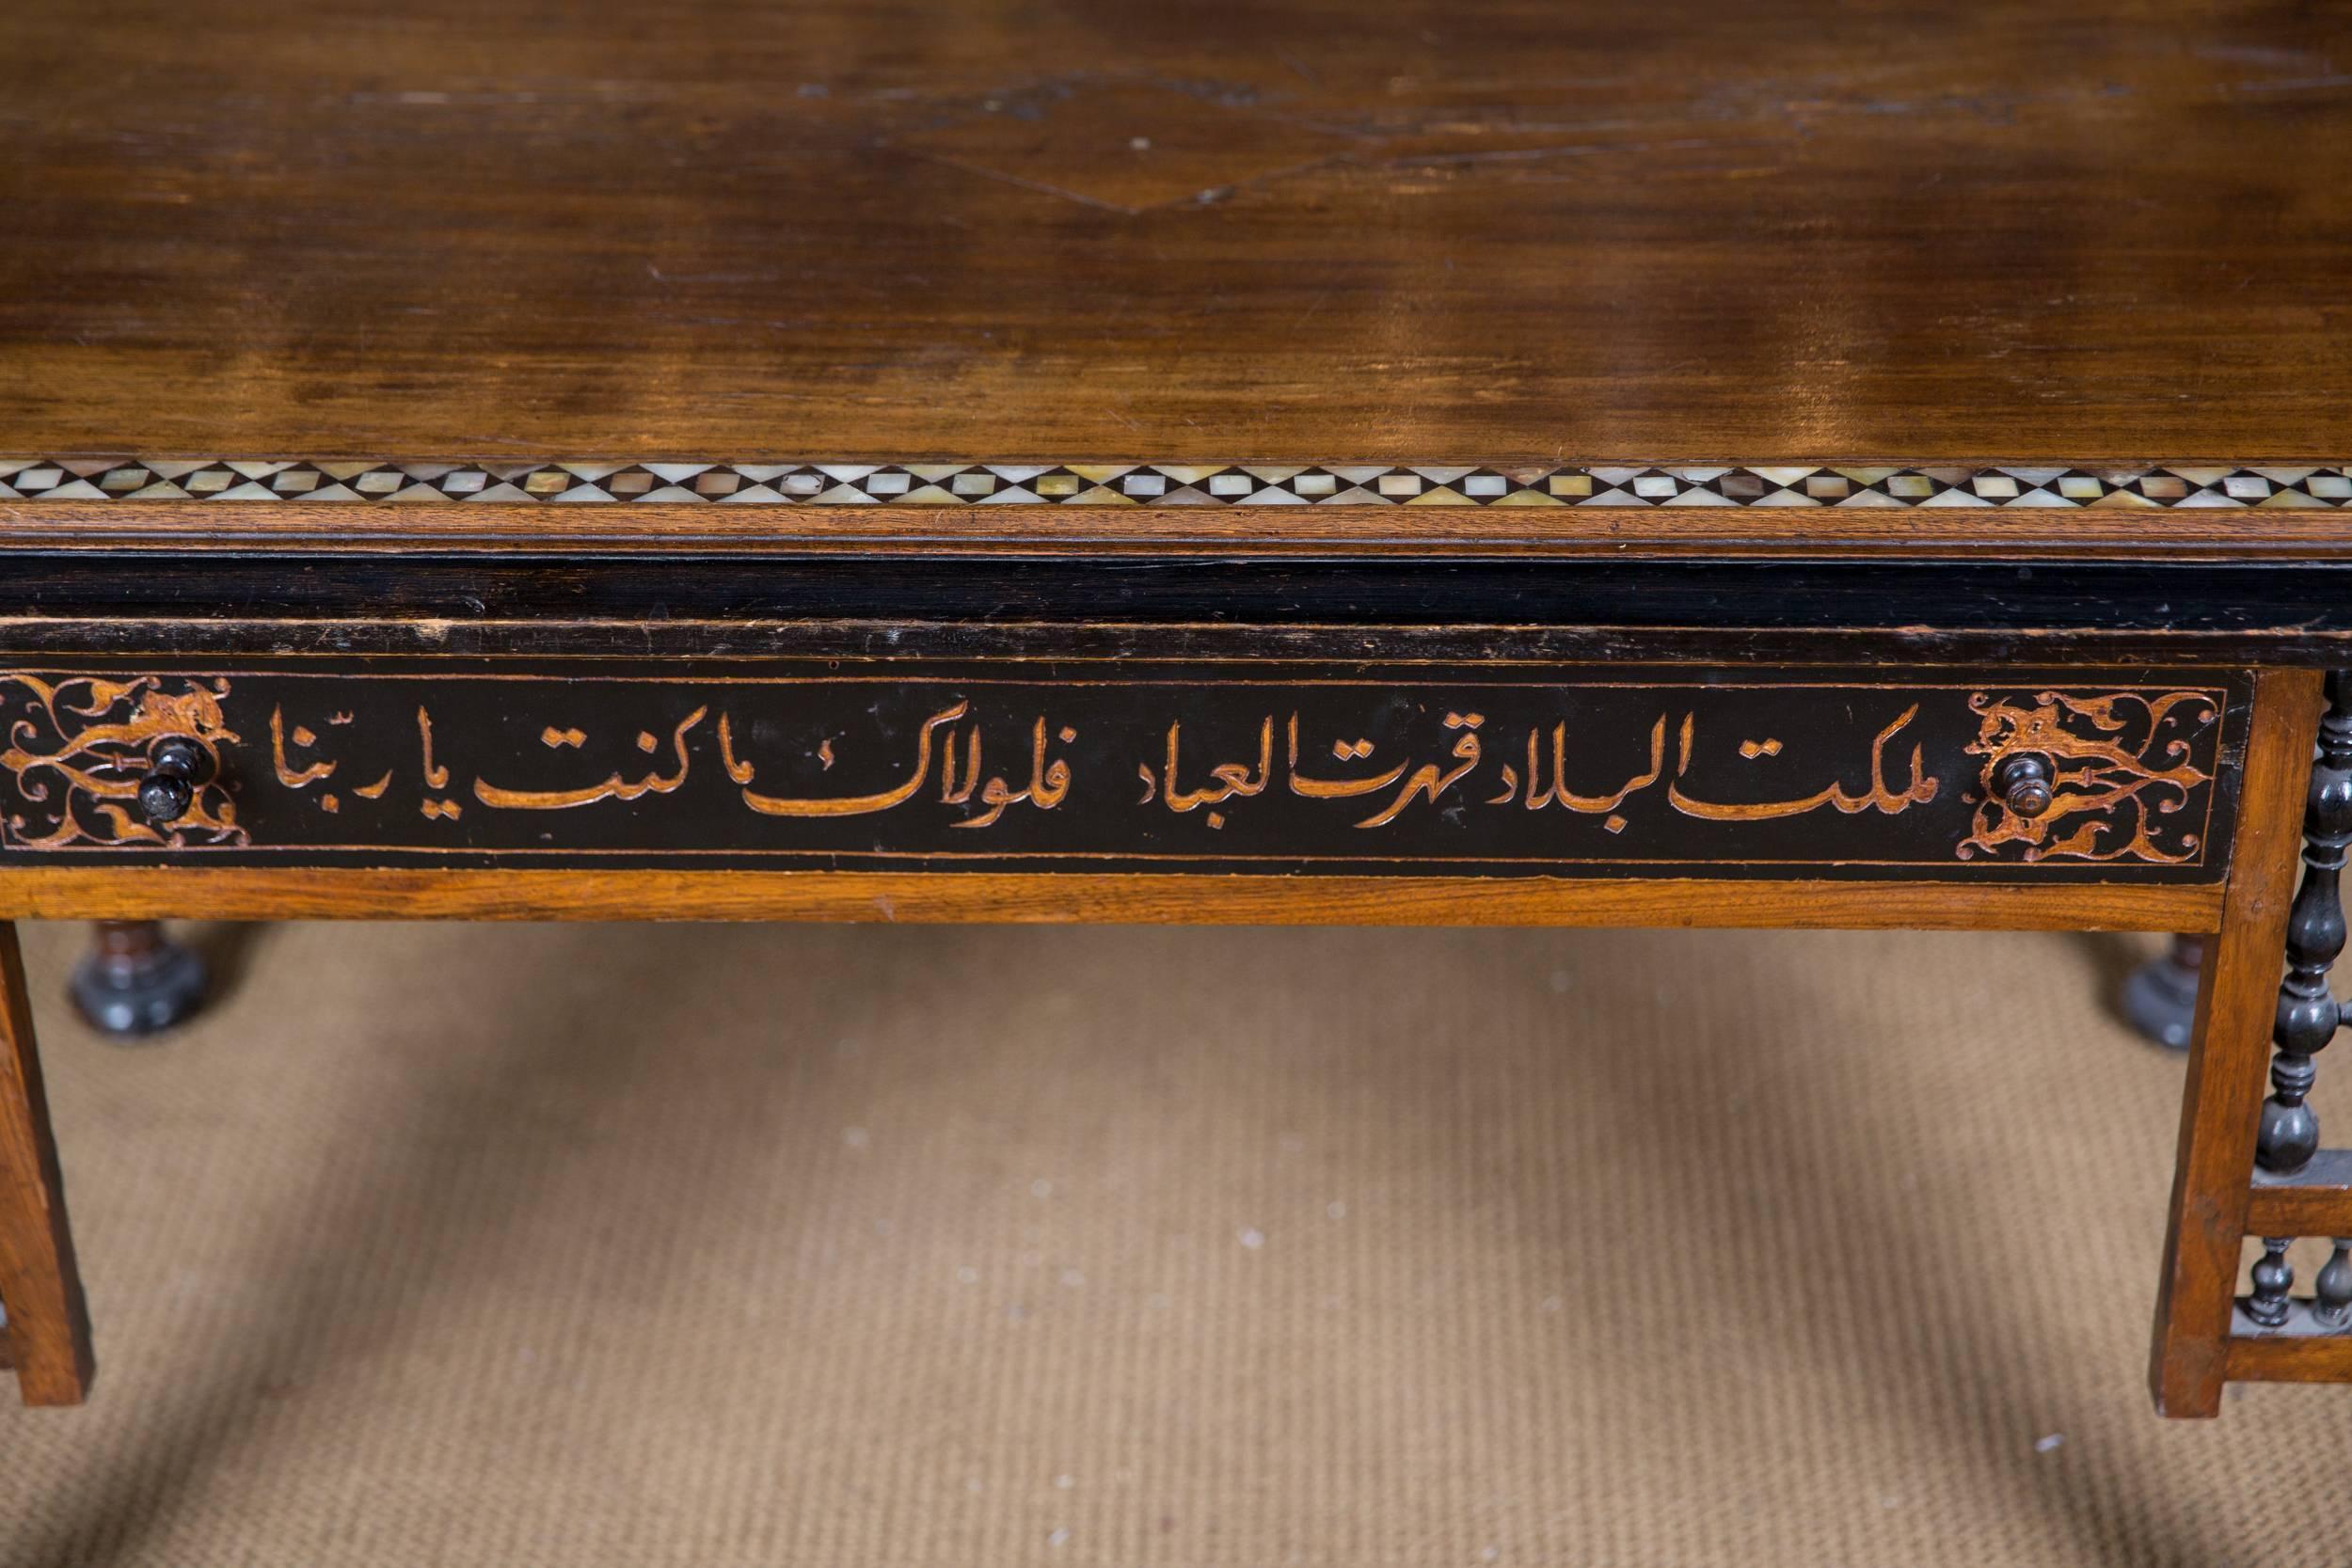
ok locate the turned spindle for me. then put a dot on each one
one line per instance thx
(2308, 1014)
(2274, 1277)
(2331, 1300)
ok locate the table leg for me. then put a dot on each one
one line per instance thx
(48, 1331)
(2229, 1057)
(136, 980)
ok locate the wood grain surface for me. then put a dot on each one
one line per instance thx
(1606, 534)
(48, 1329)
(2289, 1358)
(1309, 230)
(1497, 233)
(2316, 1202)
(95, 892)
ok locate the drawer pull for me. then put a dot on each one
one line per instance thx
(2026, 785)
(176, 769)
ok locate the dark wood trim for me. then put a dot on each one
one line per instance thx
(2230, 1056)
(66, 893)
(53, 637)
(2051, 592)
(2049, 609)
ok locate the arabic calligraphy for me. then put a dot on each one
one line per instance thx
(1557, 792)
(1432, 780)
(613, 787)
(1878, 796)
(293, 778)
(849, 805)
(1049, 782)
(1467, 772)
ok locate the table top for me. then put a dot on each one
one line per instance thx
(1790, 256)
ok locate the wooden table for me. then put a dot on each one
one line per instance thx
(1497, 463)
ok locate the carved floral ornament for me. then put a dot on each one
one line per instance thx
(2121, 765)
(82, 749)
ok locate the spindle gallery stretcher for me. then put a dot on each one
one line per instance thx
(1192, 489)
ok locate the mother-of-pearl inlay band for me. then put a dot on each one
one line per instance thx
(951, 485)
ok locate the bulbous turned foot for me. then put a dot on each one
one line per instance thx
(136, 981)
(2287, 1138)
(2160, 998)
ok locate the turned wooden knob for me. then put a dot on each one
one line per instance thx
(176, 766)
(2026, 785)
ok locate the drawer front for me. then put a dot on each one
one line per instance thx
(1504, 770)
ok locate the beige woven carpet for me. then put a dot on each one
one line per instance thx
(653, 1245)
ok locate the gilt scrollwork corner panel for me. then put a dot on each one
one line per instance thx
(76, 747)
(1534, 771)
(2130, 771)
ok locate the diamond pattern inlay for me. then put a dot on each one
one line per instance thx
(124, 479)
